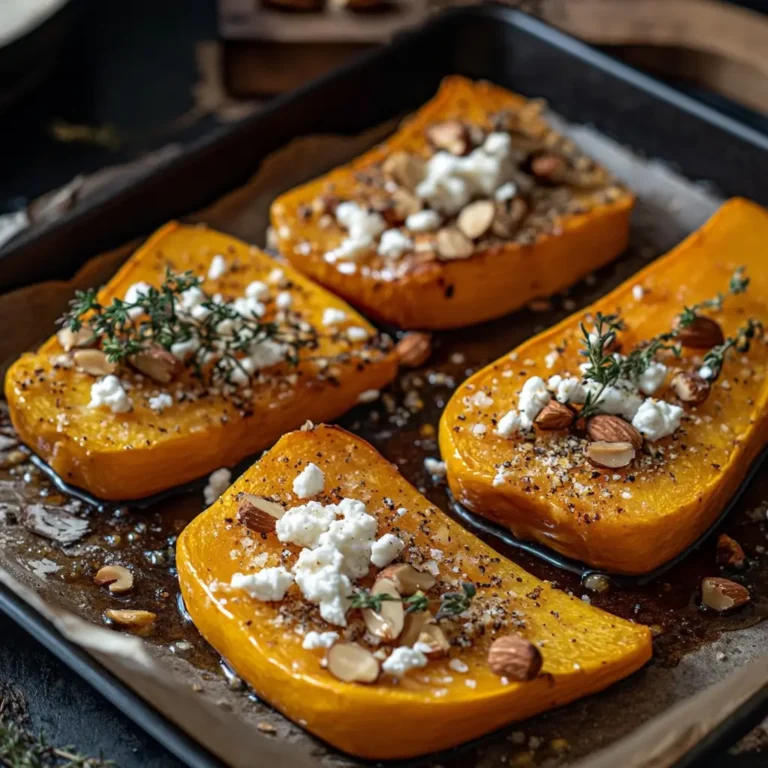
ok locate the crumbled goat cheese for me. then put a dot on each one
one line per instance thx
(184, 349)
(133, 294)
(284, 300)
(570, 390)
(303, 525)
(368, 396)
(550, 359)
(478, 430)
(218, 267)
(505, 192)
(706, 372)
(160, 402)
(638, 292)
(508, 424)
(319, 577)
(435, 467)
(248, 307)
(362, 228)
(353, 536)
(533, 398)
(257, 290)
(386, 549)
(333, 316)
(218, 482)
(450, 182)
(310, 482)
(403, 659)
(109, 391)
(394, 244)
(616, 400)
(276, 276)
(652, 378)
(423, 221)
(457, 665)
(314, 640)
(268, 585)
(656, 419)
(356, 333)
(481, 400)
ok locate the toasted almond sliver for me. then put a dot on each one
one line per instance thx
(514, 657)
(433, 636)
(70, 339)
(258, 514)
(93, 362)
(610, 455)
(131, 619)
(453, 244)
(157, 363)
(352, 663)
(119, 578)
(415, 626)
(407, 579)
(388, 623)
(476, 218)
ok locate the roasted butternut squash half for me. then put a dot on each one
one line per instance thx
(474, 207)
(267, 570)
(199, 352)
(617, 436)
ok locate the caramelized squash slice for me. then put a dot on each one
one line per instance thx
(562, 223)
(431, 708)
(134, 454)
(632, 519)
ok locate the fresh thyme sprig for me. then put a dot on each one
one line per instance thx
(715, 358)
(605, 369)
(220, 336)
(451, 603)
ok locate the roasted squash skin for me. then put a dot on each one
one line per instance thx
(584, 649)
(451, 294)
(132, 455)
(651, 515)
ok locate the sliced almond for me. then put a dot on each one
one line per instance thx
(404, 204)
(453, 244)
(157, 363)
(415, 626)
(119, 578)
(94, 362)
(407, 580)
(476, 218)
(690, 387)
(70, 339)
(414, 349)
(613, 429)
(131, 619)
(554, 415)
(387, 623)
(730, 552)
(610, 455)
(352, 663)
(450, 135)
(404, 168)
(257, 513)
(702, 333)
(515, 658)
(434, 638)
(723, 594)
(508, 217)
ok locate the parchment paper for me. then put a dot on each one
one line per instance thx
(245, 732)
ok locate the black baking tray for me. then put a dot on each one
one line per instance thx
(492, 42)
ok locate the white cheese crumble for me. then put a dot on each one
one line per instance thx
(257, 290)
(133, 294)
(435, 467)
(508, 424)
(394, 244)
(481, 400)
(333, 316)
(160, 402)
(369, 396)
(218, 267)
(457, 665)
(385, 550)
(570, 390)
(618, 400)
(478, 430)
(319, 577)
(284, 300)
(402, 660)
(276, 276)
(309, 482)
(638, 292)
(109, 391)
(423, 221)
(656, 419)
(303, 525)
(652, 378)
(533, 398)
(218, 482)
(706, 372)
(506, 192)
(357, 333)
(362, 228)
(268, 585)
(314, 640)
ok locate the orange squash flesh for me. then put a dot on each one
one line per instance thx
(429, 709)
(450, 294)
(634, 519)
(132, 455)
